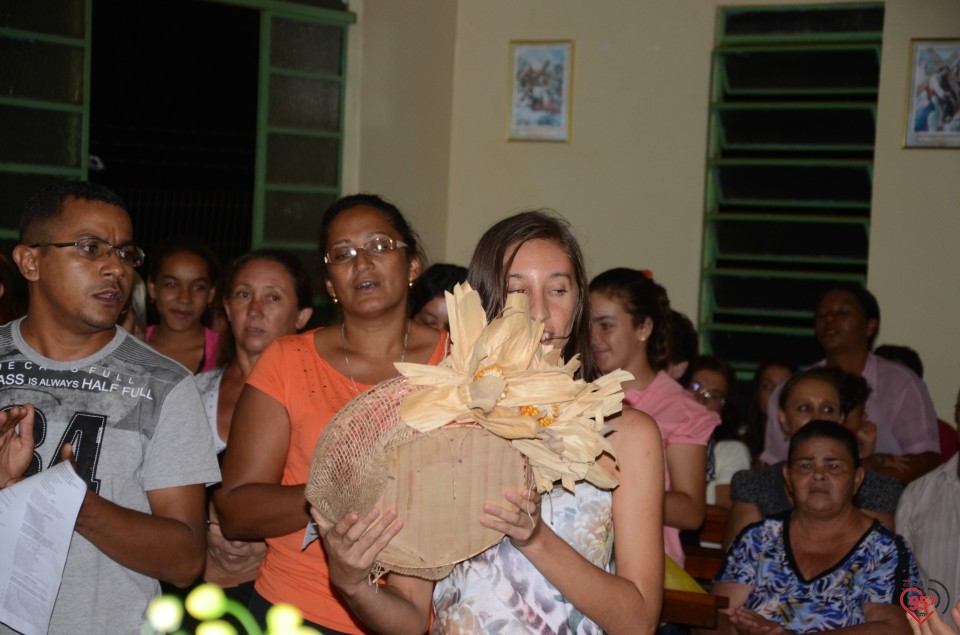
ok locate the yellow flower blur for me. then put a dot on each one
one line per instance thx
(283, 619)
(215, 627)
(207, 602)
(165, 613)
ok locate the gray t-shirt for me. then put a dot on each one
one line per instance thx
(209, 385)
(136, 423)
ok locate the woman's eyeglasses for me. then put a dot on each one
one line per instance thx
(379, 246)
(704, 396)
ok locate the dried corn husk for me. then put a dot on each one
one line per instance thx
(500, 376)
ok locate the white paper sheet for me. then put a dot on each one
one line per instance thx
(37, 516)
(310, 535)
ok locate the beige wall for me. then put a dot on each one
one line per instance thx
(915, 233)
(401, 70)
(632, 178)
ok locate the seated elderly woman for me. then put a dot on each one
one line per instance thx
(825, 566)
(816, 393)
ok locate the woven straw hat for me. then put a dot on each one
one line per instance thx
(500, 412)
(436, 481)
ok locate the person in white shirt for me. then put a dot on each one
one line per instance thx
(927, 517)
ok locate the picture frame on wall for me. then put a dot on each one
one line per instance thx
(933, 97)
(541, 88)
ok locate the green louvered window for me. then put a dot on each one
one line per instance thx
(44, 99)
(789, 173)
(300, 128)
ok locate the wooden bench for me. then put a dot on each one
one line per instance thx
(702, 563)
(698, 610)
(714, 526)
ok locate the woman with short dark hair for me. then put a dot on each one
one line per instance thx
(825, 566)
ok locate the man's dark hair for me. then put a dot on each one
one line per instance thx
(47, 204)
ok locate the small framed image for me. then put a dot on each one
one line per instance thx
(541, 85)
(933, 98)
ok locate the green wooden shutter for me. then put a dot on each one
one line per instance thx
(44, 99)
(789, 173)
(299, 128)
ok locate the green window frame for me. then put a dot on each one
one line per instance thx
(44, 100)
(789, 173)
(300, 129)
(45, 108)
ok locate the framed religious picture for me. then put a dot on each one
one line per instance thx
(933, 98)
(541, 85)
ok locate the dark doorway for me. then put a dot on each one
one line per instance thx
(173, 117)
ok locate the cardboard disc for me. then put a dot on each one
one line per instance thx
(438, 482)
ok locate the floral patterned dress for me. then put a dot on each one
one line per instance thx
(875, 570)
(500, 592)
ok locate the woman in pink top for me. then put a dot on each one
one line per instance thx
(630, 330)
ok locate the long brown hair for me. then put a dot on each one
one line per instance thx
(494, 256)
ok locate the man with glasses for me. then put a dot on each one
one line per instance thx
(129, 419)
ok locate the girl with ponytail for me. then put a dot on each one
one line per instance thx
(630, 329)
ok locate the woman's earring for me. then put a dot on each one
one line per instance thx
(409, 283)
(335, 301)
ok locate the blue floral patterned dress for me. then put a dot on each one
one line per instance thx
(500, 592)
(876, 570)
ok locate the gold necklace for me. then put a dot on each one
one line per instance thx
(346, 359)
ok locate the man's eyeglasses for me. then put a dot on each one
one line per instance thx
(703, 395)
(378, 246)
(97, 249)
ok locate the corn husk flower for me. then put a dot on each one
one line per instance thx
(500, 376)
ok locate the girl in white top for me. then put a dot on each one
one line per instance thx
(713, 383)
(550, 576)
